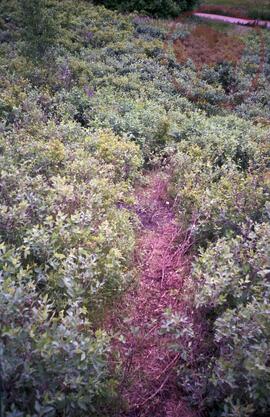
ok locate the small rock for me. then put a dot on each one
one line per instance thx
(5, 36)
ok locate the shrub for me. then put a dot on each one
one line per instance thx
(220, 179)
(51, 364)
(234, 273)
(220, 200)
(164, 8)
(39, 26)
(221, 186)
(65, 205)
(226, 367)
(66, 246)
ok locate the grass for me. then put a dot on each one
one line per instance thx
(257, 9)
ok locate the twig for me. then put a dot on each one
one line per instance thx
(153, 395)
(170, 365)
(164, 265)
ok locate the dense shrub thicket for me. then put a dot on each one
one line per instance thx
(221, 184)
(39, 25)
(221, 175)
(76, 123)
(161, 8)
(64, 256)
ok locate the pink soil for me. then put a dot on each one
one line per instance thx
(149, 385)
(234, 20)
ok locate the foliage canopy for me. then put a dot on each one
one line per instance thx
(160, 8)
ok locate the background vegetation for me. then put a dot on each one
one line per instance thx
(258, 9)
(163, 8)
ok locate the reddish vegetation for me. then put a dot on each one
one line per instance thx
(208, 46)
(149, 383)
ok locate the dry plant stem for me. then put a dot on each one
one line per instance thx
(153, 395)
(170, 365)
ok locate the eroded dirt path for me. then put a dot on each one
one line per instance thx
(149, 385)
(234, 20)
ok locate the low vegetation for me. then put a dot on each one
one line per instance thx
(163, 8)
(87, 101)
(221, 183)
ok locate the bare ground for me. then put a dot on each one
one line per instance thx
(149, 384)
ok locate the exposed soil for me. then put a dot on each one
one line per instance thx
(149, 385)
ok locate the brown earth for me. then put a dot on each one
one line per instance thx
(149, 383)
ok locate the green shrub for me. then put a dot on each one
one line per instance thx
(39, 26)
(229, 281)
(51, 364)
(66, 246)
(220, 179)
(232, 278)
(60, 208)
(164, 8)
(221, 188)
(260, 13)
(225, 367)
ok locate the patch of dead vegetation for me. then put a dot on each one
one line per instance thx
(208, 46)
